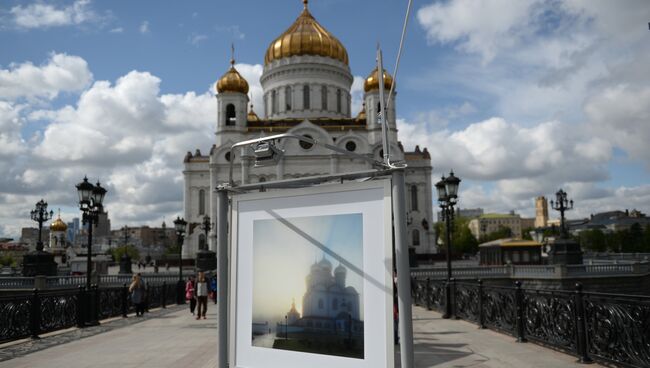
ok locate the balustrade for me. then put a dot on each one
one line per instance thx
(609, 328)
(25, 314)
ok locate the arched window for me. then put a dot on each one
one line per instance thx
(202, 242)
(305, 97)
(323, 97)
(416, 237)
(338, 100)
(320, 304)
(274, 102)
(414, 197)
(231, 118)
(287, 97)
(335, 304)
(201, 202)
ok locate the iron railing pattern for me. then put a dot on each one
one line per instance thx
(25, 314)
(609, 328)
(59, 282)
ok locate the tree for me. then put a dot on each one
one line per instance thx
(501, 233)
(462, 239)
(594, 240)
(7, 261)
(118, 252)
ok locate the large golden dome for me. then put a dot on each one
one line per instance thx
(306, 37)
(58, 225)
(232, 81)
(372, 81)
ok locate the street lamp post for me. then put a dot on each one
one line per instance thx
(206, 226)
(447, 189)
(562, 204)
(40, 215)
(91, 199)
(179, 225)
(39, 262)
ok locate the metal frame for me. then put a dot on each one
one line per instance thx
(396, 170)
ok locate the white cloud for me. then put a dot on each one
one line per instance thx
(41, 15)
(144, 27)
(61, 73)
(252, 74)
(195, 38)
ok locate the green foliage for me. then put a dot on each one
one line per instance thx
(118, 252)
(503, 232)
(462, 240)
(636, 239)
(7, 260)
(526, 233)
(171, 251)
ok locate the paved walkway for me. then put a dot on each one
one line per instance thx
(174, 339)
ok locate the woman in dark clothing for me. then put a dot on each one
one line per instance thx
(138, 291)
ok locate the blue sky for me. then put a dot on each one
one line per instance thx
(519, 98)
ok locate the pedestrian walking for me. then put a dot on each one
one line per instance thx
(202, 295)
(138, 291)
(190, 293)
(213, 288)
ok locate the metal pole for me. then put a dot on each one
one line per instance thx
(222, 276)
(382, 108)
(446, 209)
(89, 263)
(403, 271)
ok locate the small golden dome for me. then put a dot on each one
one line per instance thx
(58, 225)
(232, 81)
(252, 116)
(362, 113)
(306, 37)
(372, 82)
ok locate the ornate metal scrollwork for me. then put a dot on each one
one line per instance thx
(549, 317)
(618, 329)
(110, 302)
(58, 310)
(500, 309)
(14, 317)
(466, 302)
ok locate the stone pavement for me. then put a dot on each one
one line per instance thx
(173, 338)
(445, 343)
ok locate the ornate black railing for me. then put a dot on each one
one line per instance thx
(609, 328)
(32, 314)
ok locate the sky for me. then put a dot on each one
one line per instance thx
(282, 259)
(519, 98)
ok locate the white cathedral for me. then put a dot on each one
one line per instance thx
(306, 82)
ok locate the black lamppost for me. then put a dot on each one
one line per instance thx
(562, 204)
(125, 260)
(91, 199)
(447, 189)
(206, 226)
(179, 225)
(40, 215)
(39, 262)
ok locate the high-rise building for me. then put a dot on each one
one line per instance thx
(306, 85)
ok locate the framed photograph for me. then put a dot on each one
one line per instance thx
(311, 278)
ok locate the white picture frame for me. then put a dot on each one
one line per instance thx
(371, 202)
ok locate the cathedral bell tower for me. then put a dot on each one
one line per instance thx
(232, 104)
(371, 98)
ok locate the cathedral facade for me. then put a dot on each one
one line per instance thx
(306, 82)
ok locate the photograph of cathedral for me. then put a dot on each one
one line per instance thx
(308, 284)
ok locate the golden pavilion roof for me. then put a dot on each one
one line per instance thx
(232, 81)
(372, 81)
(58, 225)
(306, 37)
